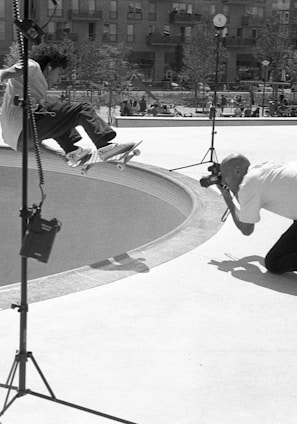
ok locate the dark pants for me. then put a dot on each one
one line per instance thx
(60, 124)
(282, 257)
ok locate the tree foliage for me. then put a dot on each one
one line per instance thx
(13, 56)
(275, 46)
(104, 64)
(200, 55)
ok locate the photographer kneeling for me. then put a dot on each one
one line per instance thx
(272, 186)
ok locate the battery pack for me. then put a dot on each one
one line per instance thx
(29, 29)
(39, 238)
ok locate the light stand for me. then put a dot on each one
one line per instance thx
(22, 356)
(219, 22)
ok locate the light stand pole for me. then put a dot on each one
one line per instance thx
(22, 356)
(265, 64)
(219, 22)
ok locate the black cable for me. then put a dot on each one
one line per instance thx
(33, 128)
(52, 15)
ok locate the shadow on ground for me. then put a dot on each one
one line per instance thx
(122, 262)
(250, 269)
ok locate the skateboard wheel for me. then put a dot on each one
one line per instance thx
(137, 152)
(121, 166)
(83, 172)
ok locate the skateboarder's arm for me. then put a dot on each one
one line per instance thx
(14, 71)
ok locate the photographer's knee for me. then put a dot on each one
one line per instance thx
(271, 265)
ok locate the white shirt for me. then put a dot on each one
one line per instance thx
(12, 115)
(272, 186)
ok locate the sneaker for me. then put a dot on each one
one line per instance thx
(74, 157)
(108, 136)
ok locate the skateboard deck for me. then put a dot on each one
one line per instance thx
(122, 157)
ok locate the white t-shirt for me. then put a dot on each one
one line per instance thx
(12, 115)
(272, 186)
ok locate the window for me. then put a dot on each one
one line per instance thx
(2, 30)
(152, 29)
(130, 34)
(57, 10)
(2, 9)
(135, 10)
(188, 34)
(182, 8)
(152, 11)
(255, 33)
(91, 31)
(92, 6)
(179, 7)
(74, 5)
(226, 10)
(61, 26)
(113, 11)
(254, 11)
(51, 28)
(57, 30)
(283, 16)
(109, 32)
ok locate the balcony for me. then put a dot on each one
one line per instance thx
(254, 21)
(59, 36)
(239, 42)
(184, 18)
(158, 39)
(81, 15)
(238, 2)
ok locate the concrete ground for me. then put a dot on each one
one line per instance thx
(207, 338)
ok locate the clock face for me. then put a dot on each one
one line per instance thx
(219, 20)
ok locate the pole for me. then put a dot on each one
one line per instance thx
(22, 356)
(24, 298)
(219, 22)
(265, 64)
(215, 96)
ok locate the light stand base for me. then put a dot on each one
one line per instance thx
(213, 158)
(51, 397)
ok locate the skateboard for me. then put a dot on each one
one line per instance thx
(123, 156)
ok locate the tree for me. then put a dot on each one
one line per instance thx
(200, 56)
(107, 66)
(68, 48)
(178, 63)
(13, 56)
(290, 61)
(275, 46)
(114, 70)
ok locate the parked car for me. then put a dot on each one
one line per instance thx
(204, 87)
(176, 86)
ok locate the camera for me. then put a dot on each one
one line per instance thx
(213, 178)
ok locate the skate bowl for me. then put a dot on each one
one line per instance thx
(114, 223)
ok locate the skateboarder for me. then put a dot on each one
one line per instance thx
(54, 119)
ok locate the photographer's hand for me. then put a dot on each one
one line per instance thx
(244, 227)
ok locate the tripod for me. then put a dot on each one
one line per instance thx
(22, 356)
(211, 151)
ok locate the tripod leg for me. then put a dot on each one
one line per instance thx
(9, 386)
(213, 155)
(8, 404)
(30, 355)
(203, 159)
(12, 372)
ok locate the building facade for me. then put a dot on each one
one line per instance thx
(153, 28)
